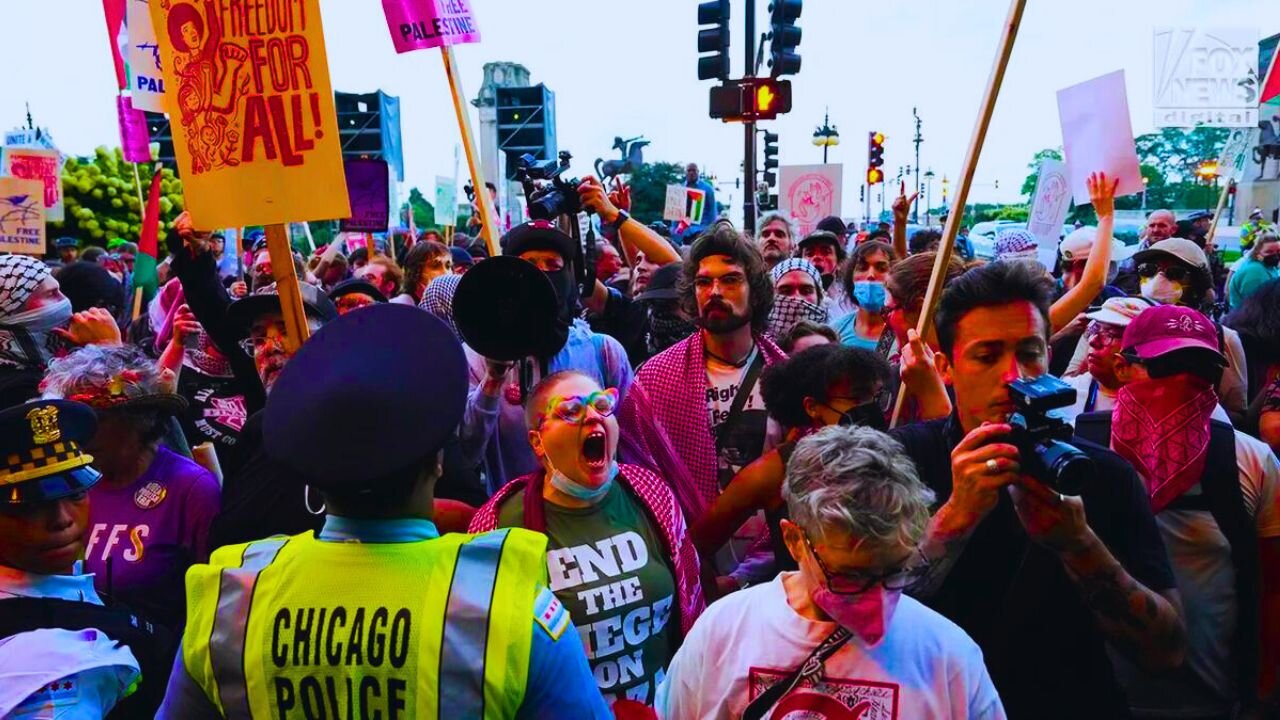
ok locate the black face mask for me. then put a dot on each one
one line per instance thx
(567, 309)
(868, 414)
(1271, 260)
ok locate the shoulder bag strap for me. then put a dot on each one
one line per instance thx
(809, 668)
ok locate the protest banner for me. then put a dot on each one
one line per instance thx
(135, 142)
(146, 84)
(446, 201)
(1205, 77)
(114, 12)
(38, 164)
(684, 204)
(22, 216)
(1050, 206)
(252, 111)
(425, 24)
(965, 183)
(808, 193)
(1097, 135)
(367, 189)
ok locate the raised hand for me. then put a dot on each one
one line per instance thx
(1102, 191)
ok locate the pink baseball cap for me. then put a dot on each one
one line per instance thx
(1160, 330)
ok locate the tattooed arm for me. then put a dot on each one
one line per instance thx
(1143, 624)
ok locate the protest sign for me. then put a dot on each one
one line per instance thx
(1098, 135)
(367, 182)
(423, 24)
(43, 165)
(1049, 209)
(684, 204)
(1236, 154)
(254, 128)
(135, 141)
(1205, 77)
(808, 193)
(147, 81)
(21, 216)
(446, 201)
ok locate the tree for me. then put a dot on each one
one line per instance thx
(649, 189)
(424, 213)
(1029, 185)
(101, 198)
(1176, 153)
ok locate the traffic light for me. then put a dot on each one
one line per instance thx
(750, 99)
(526, 123)
(770, 158)
(875, 150)
(713, 39)
(785, 37)
(875, 176)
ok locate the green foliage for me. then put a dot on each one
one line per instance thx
(1176, 153)
(424, 214)
(101, 198)
(1014, 213)
(649, 189)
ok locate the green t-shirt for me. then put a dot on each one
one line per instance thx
(609, 567)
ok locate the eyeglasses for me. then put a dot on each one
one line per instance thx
(1106, 333)
(855, 583)
(251, 345)
(728, 282)
(1175, 273)
(573, 408)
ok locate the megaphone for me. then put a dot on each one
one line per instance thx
(506, 309)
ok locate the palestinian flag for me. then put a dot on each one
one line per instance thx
(144, 265)
(1271, 87)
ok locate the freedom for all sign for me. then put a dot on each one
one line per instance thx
(248, 95)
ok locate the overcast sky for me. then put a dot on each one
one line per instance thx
(629, 68)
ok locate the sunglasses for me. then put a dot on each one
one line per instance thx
(573, 408)
(1174, 273)
(856, 583)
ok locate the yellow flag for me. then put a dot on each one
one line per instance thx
(251, 111)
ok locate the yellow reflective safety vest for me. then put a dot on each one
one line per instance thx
(293, 627)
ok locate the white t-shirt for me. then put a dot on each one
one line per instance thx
(1201, 560)
(724, 382)
(925, 667)
(1105, 399)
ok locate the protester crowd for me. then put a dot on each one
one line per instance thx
(679, 445)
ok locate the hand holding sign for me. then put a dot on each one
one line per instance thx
(1102, 192)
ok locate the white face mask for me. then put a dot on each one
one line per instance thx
(1161, 289)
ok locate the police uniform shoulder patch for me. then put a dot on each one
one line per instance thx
(550, 613)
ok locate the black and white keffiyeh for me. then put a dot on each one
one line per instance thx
(20, 275)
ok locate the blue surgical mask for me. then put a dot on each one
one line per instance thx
(869, 294)
(564, 484)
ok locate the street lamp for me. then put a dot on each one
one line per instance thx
(928, 196)
(1208, 172)
(826, 136)
(1145, 182)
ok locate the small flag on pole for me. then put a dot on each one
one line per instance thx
(144, 265)
(1271, 88)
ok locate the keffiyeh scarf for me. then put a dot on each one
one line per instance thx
(1162, 428)
(437, 299)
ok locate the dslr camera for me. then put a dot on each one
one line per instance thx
(1041, 439)
(547, 194)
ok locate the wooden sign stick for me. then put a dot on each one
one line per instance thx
(487, 214)
(1222, 204)
(296, 331)
(967, 171)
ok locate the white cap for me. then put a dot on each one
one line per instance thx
(1078, 245)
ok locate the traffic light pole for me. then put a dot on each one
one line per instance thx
(749, 129)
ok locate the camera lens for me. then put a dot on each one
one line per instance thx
(1068, 468)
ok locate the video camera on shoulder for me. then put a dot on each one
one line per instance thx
(1042, 440)
(547, 194)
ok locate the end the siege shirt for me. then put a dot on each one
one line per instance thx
(608, 566)
(143, 536)
(925, 667)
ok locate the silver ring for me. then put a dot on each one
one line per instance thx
(993, 466)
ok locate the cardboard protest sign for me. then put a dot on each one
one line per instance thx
(43, 165)
(146, 83)
(367, 182)
(808, 193)
(1098, 135)
(251, 107)
(684, 204)
(1050, 206)
(423, 24)
(446, 206)
(21, 216)
(1237, 153)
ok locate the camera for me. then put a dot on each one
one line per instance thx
(1041, 438)
(547, 194)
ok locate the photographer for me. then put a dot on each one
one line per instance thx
(1040, 580)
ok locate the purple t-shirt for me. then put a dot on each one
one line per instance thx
(151, 531)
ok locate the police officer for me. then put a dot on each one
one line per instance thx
(63, 653)
(68, 249)
(377, 615)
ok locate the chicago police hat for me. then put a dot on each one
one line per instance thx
(41, 445)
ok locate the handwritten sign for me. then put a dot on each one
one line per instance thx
(423, 24)
(147, 81)
(1052, 201)
(43, 165)
(809, 193)
(367, 187)
(21, 216)
(684, 204)
(1236, 153)
(446, 201)
(248, 95)
(1098, 135)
